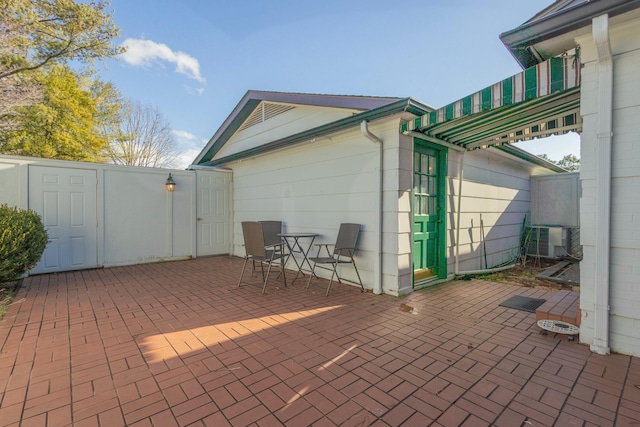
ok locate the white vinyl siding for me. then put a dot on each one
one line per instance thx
(312, 188)
(496, 190)
(624, 336)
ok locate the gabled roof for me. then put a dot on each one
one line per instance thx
(533, 42)
(371, 108)
(253, 98)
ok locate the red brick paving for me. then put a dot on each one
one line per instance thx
(177, 344)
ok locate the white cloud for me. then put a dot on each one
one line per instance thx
(183, 134)
(189, 146)
(186, 158)
(143, 53)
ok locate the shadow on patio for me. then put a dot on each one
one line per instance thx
(179, 344)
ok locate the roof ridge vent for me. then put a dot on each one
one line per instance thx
(264, 112)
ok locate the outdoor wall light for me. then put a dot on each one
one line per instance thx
(171, 184)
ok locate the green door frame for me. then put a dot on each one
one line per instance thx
(441, 203)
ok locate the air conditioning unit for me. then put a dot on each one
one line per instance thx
(548, 241)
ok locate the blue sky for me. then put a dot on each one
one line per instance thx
(195, 59)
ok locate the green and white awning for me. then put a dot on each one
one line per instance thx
(540, 101)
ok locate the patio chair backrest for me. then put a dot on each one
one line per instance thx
(271, 230)
(253, 239)
(347, 239)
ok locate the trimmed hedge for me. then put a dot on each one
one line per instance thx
(22, 241)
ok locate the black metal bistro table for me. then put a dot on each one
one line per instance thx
(292, 240)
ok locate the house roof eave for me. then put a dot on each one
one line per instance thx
(552, 23)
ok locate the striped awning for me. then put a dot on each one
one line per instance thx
(540, 101)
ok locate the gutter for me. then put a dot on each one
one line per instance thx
(600, 343)
(377, 268)
(194, 167)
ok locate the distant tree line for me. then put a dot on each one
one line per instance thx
(53, 104)
(569, 162)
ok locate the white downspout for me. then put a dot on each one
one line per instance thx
(377, 267)
(600, 30)
(458, 209)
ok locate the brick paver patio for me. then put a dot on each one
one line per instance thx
(179, 344)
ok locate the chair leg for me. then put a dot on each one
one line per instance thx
(283, 262)
(358, 274)
(313, 270)
(334, 273)
(266, 279)
(284, 276)
(244, 264)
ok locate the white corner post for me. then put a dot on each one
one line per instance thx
(600, 342)
(377, 267)
(170, 224)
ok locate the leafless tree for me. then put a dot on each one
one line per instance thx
(144, 138)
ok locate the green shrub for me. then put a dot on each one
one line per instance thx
(22, 241)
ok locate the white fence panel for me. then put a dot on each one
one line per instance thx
(101, 215)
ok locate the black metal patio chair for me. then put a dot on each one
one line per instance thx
(343, 253)
(257, 250)
(271, 230)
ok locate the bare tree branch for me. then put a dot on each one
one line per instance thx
(144, 138)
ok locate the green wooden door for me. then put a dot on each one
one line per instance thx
(428, 200)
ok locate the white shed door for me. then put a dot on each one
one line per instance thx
(213, 213)
(66, 201)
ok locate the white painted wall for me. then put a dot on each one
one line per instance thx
(143, 222)
(14, 179)
(624, 301)
(397, 240)
(495, 185)
(555, 199)
(496, 190)
(138, 220)
(312, 187)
